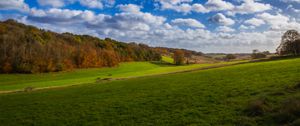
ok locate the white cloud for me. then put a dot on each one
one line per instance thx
(131, 24)
(224, 29)
(99, 4)
(199, 8)
(132, 8)
(177, 5)
(188, 22)
(255, 22)
(92, 3)
(53, 3)
(221, 19)
(218, 5)
(185, 6)
(277, 21)
(250, 6)
(13, 5)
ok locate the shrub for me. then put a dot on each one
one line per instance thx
(229, 57)
(258, 55)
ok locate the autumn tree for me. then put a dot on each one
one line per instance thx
(27, 49)
(178, 57)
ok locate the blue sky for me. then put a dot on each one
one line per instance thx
(203, 25)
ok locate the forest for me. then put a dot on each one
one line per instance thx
(27, 49)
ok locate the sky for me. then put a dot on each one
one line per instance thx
(210, 26)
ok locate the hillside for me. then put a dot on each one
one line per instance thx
(27, 49)
(245, 95)
(23, 82)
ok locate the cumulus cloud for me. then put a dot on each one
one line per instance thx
(132, 24)
(92, 3)
(250, 6)
(87, 3)
(13, 5)
(53, 3)
(218, 5)
(255, 22)
(185, 6)
(278, 21)
(224, 29)
(221, 19)
(188, 22)
(132, 8)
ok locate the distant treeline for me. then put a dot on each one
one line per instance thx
(27, 49)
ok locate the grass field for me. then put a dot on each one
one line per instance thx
(208, 97)
(11, 82)
(167, 59)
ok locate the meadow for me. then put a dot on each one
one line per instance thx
(19, 82)
(217, 96)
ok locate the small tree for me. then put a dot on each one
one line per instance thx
(229, 57)
(178, 57)
(258, 55)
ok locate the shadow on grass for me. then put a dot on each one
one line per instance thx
(274, 58)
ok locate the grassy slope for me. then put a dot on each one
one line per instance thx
(82, 76)
(209, 97)
(167, 59)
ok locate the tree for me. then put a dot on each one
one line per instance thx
(256, 54)
(178, 57)
(229, 57)
(289, 43)
(26, 49)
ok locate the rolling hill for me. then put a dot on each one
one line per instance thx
(219, 96)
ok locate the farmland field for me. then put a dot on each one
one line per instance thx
(12, 82)
(215, 96)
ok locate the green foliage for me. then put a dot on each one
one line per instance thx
(208, 97)
(258, 55)
(229, 57)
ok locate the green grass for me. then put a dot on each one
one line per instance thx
(167, 59)
(207, 97)
(11, 82)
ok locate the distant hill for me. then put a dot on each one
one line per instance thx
(27, 49)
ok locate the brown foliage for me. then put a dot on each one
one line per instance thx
(26, 49)
(178, 57)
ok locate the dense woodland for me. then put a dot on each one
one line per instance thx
(27, 49)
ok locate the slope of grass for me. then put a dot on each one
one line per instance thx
(167, 59)
(208, 97)
(11, 82)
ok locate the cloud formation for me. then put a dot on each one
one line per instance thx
(208, 26)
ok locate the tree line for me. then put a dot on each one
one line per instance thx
(27, 49)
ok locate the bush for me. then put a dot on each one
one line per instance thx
(229, 57)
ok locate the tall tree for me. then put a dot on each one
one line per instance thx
(289, 43)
